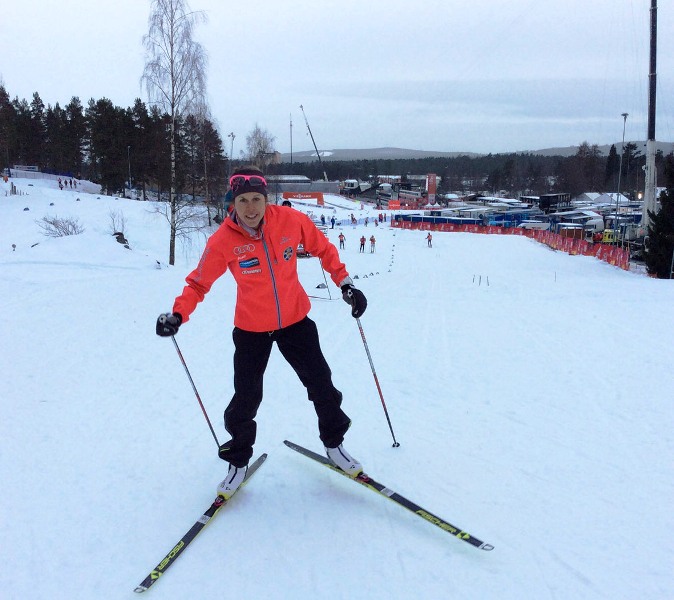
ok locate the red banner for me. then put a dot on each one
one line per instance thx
(431, 187)
(318, 196)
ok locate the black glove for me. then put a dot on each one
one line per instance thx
(355, 298)
(168, 324)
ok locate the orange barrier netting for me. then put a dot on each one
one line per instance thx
(613, 255)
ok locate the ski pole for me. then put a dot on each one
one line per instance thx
(194, 387)
(326, 280)
(376, 380)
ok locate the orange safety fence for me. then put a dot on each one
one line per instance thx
(613, 255)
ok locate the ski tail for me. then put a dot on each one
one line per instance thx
(399, 499)
(179, 548)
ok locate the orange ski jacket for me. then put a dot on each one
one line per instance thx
(269, 294)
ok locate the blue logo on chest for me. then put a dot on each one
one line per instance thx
(249, 263)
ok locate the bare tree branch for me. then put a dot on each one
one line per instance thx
(260, 146)
(60, 227)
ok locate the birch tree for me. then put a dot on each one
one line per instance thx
(175, 77)
(260, 146)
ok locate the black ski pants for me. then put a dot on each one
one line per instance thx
(300, 346)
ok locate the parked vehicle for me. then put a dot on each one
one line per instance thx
(354, 187)
(592, 221)
(609, 237)
(540, 225)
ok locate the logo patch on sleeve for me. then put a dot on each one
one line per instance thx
(288, 253)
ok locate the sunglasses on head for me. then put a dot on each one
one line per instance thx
(254, 181)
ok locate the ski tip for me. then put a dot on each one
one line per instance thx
(487, 547)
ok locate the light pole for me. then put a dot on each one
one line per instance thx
(128, 158)
(616, 227)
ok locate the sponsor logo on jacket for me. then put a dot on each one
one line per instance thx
(249, 263)
(239, 250)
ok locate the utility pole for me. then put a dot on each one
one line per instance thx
(616, 226)
(128, 158)
(291, 141)
(650, 180)
(312, 139)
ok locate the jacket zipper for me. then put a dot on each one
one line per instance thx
(273, 282)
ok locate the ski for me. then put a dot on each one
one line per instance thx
(179, 548)
(382, 490)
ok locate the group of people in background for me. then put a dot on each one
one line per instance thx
(67, 182)
(373, 241)
(381, 218)
(332, 221)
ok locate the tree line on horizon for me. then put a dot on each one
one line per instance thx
(111, 145)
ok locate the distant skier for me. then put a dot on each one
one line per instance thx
(429, 239)
(372, 243)
(257, 243)
(362, 243)
(342, 237)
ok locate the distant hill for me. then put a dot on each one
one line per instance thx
(665, 147)
(370, 154)
(406, 153)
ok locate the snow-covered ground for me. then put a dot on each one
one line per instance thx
(531, 392)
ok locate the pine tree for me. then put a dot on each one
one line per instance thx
(23, 152)
(37, 131)
(7, 127)
(138, 153)
(55, 159)
(660, 248)
(75, 136)
(109, 135)
(612, 167)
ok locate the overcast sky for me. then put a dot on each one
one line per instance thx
(446, 75)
